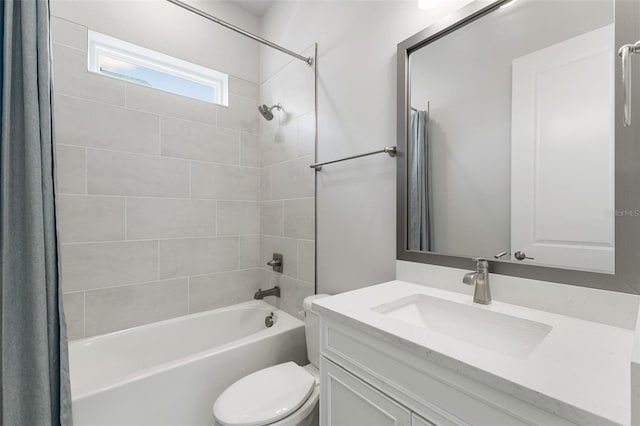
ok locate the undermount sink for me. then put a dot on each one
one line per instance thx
(505, 334)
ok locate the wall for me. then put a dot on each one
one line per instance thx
(470, 110)
(356, 107)
(287, 147)
(158, 205)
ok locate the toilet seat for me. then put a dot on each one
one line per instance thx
(266, 396)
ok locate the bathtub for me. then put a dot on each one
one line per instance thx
(171, 372)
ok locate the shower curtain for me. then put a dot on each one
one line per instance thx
(420, 213)
(34, 372)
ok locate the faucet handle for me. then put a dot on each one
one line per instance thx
(481, 263)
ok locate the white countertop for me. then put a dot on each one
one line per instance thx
(579, 364)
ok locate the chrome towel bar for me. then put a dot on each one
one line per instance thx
(391, 150)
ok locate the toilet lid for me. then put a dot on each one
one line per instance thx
(265, 396)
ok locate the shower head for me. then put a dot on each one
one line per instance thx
(266, 111)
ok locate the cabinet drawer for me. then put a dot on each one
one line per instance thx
(347, 401)
(426, 388)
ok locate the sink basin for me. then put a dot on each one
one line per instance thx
(505, 334)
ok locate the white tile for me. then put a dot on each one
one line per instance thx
(293, 179)
(280, 144)
(169, 104)
(293, 293)
(238, 217)
(90, 219)
(223, 289)
(306, 260)
(265, 183)
(95, 265)
(272, 218)
(73, 304)
(299, 218)
(196, 256)
(249, 251)
(224, 182)
(149, 218)
(71, 77)
(68, 33)
(97, 125)
(198, 141)
(288, 247)
(244, 88)
(115, 173)
(307, 134)
(241, 114)
(71, 169)
(249, 150)
(119, 308)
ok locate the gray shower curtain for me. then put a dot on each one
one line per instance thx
(420, 212)
(34, 371)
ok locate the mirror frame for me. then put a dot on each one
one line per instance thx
(627, 196)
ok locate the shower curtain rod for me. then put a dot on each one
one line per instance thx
(308, 60)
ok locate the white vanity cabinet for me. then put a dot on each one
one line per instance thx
(371, 380)
(350, 401)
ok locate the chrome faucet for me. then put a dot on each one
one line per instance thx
(261, 294)
(480, 278)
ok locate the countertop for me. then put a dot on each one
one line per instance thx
(580, 370)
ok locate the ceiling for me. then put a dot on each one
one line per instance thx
(256, 7)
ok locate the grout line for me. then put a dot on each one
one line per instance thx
(174, 198)
(164, 280)
(190, 163)
(166, 157)
(125, 218)
(84, 314)
(188, 295)
(59, 43)
(86, 171)
(158, 260)
(141, 240)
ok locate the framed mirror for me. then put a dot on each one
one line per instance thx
(513, 145)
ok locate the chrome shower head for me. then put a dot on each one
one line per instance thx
(266, 111)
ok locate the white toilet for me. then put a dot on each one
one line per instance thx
(282, 395)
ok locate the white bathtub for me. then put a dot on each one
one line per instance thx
(171, 372)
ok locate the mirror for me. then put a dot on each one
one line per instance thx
(510, 137)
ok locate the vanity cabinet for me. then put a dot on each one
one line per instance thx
(369, 380)
(352, 402)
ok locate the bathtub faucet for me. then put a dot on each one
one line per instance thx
(261, 294)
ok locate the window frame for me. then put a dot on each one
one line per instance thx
(99, 44)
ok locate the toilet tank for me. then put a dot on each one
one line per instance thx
(312, 329)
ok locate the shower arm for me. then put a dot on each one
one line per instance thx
(308, 60)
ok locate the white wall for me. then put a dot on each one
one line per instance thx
(162, 26)
(356, 216)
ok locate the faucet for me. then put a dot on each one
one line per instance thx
(480, 279)
(261, 294)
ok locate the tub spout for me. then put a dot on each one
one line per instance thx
(261, 294)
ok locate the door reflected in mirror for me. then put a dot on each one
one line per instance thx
(511, 137)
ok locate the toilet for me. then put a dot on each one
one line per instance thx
(283, 395)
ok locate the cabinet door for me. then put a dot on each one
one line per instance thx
(347, 401)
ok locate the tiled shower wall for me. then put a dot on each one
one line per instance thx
(159, 205)
(287, 148)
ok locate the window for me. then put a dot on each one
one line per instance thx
(119, 59)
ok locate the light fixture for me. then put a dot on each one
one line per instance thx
(508, 4)
(427, 4)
